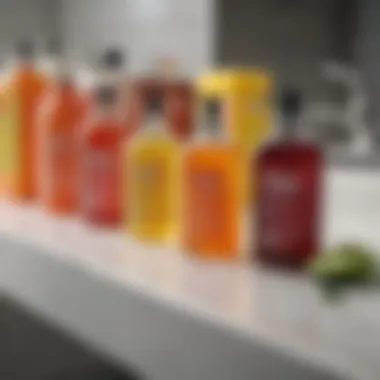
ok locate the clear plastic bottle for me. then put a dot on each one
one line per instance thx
(101, 151)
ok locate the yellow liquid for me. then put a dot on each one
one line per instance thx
(9, 139)
(248, 120)
(152, 182)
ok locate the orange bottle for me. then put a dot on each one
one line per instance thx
(211, 201)
(61, 115)
(25, 89)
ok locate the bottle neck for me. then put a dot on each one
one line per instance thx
(209, 128)
(65, 86)
(25, 64)
(289, 129)
(112, 76)
(106, 112)
(153, 121)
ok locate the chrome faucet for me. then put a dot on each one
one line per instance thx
(351, 116)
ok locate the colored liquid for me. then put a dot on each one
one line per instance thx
(61, 115)
(211, 209)
(248, 118)
(101, 181)
(179, 110)
(153, 190)
(288, 203)
(26, 87)
(178, 101)
(9, 138)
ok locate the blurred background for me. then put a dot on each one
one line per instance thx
(328, 49)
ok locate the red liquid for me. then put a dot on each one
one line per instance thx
(179, 109)
(288, 203)
(140, 91)
(101, 172)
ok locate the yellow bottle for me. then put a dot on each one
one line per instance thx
(9, 137)
(247, 111)
(246, 95)
(152, 179)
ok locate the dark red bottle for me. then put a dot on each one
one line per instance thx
(101, 156)
(289, 174)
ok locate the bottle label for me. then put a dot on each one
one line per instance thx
(286, 210)
(179, 114)
(208, 204)
(152, 191)
(101, 174)
(60, 161)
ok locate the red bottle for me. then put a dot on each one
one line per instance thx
(179, 109)
(288, 194)
(140, 91)
(178, 104)
(101, 161)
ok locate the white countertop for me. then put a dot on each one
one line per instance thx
(229, 317)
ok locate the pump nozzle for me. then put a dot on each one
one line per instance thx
(290, 102)
(112, 59)
(106, 95)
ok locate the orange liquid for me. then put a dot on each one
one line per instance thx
(211, 207)
(3, 176)
(27, 87)
(61, 115)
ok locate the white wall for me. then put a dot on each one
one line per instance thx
(20, 19)
(145, 28)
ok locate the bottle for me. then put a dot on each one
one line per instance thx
(25, 87)
(101, 149)
(289, 174)
(60, 116)
(153, 178)
(246, 95)
(141, 90)
(179, 108)
(211, 199)
(178, 99)
(112, 72)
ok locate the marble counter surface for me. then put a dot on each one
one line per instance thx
(175, 317)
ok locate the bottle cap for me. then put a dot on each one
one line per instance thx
(290, 102)
(154, 103)
(25, 49)
(112, 59)
(106, 95)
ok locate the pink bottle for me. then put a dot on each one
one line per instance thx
(288, 194)
(101, 149)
